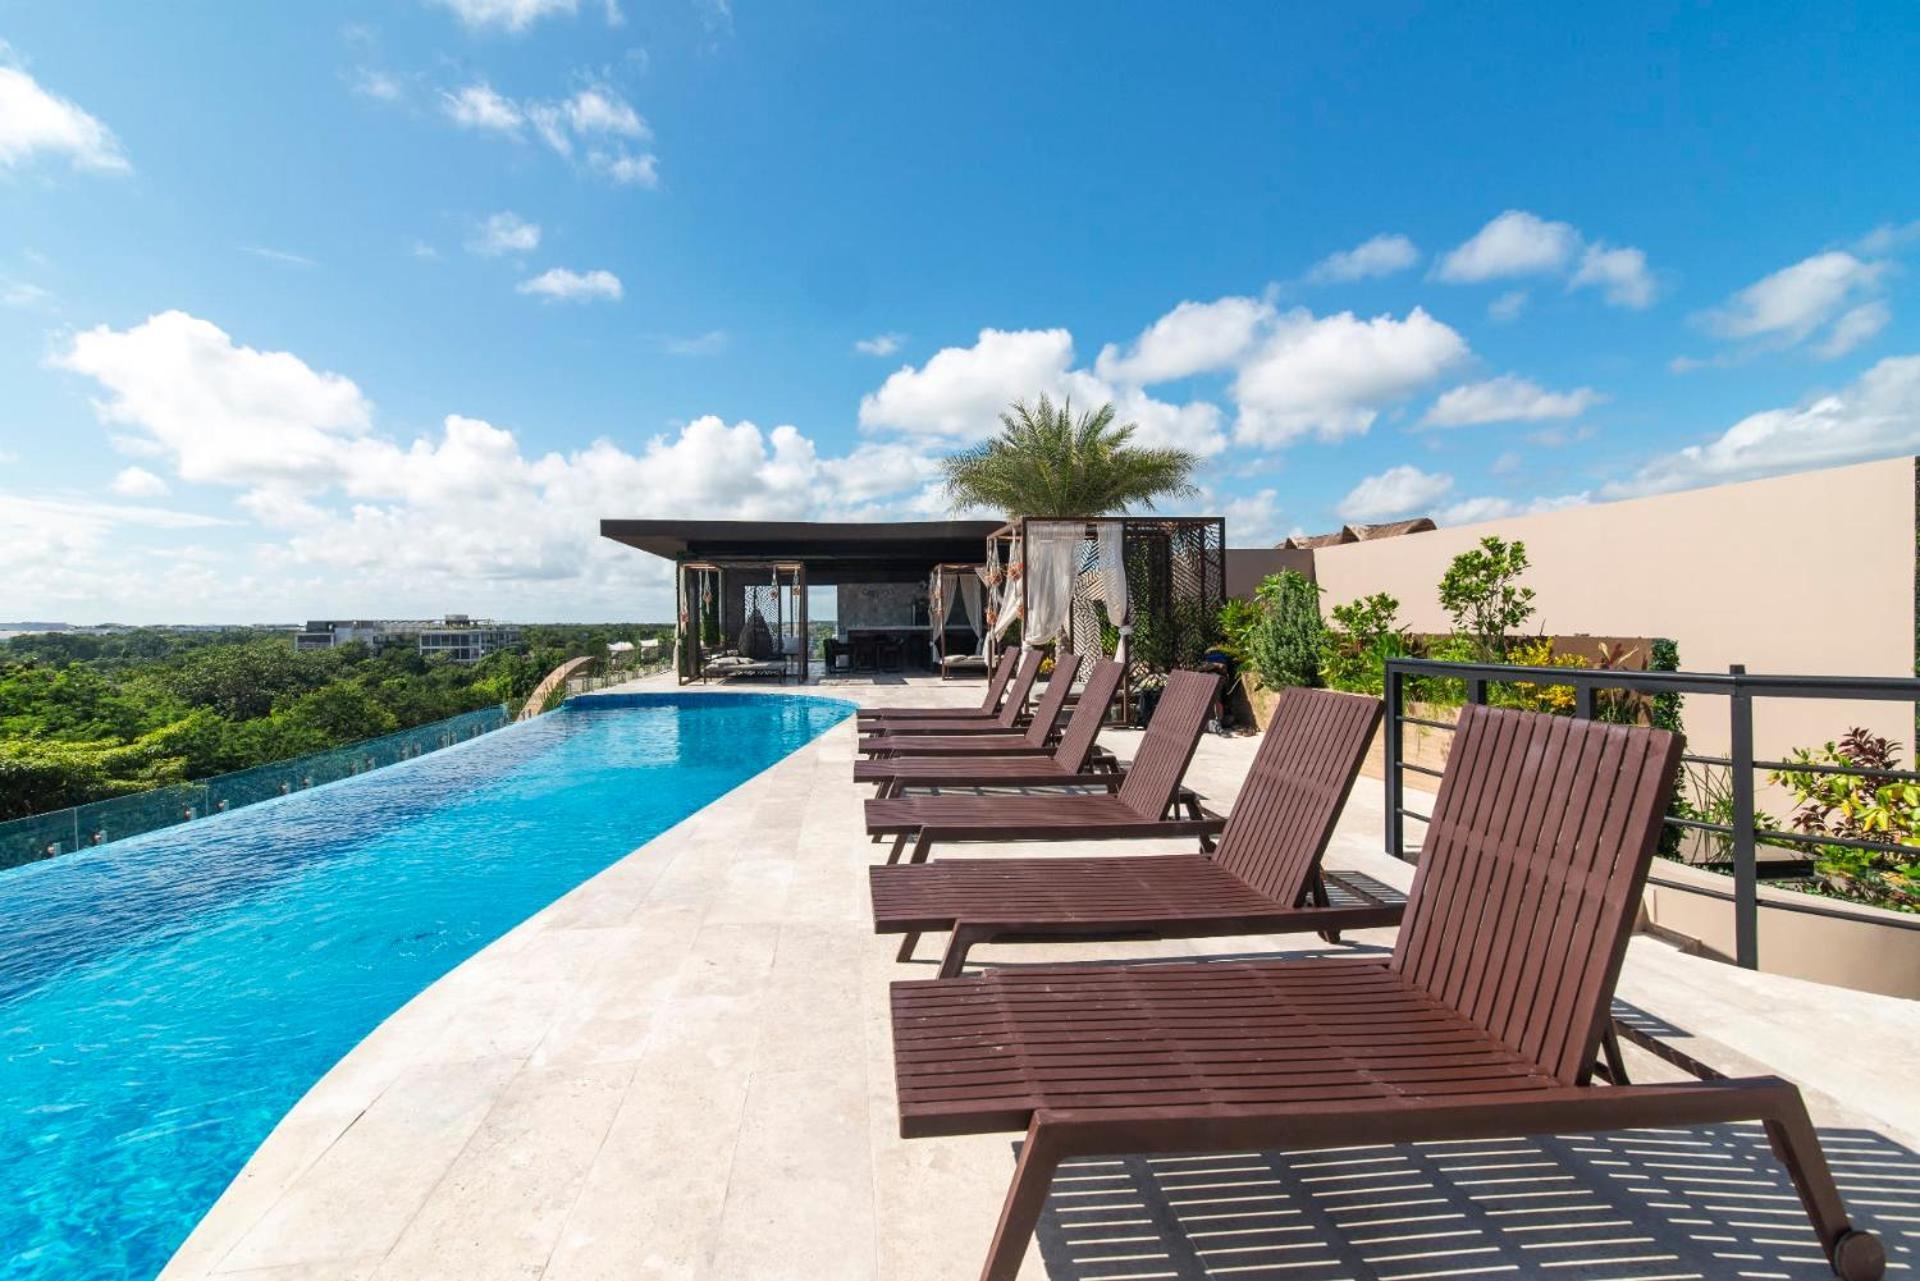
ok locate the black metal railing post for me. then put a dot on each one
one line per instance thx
(1396, 791)
(1746, 872)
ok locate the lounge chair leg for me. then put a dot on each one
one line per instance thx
(1317, 895)
(1616, 1063)
(959, 943)
(1855, 1256)
(899, 843)
(1026, 1197)
(906, 947)
(921, 848)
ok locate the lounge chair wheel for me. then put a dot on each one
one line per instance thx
(1859, 1256)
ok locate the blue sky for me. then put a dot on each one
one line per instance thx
(378, 308)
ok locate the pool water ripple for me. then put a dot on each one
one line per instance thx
(164, 1000)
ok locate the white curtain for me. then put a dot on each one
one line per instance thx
(969, 585)
(1006, 595)
(1110, 570)
(1053, 562)
(943, 603)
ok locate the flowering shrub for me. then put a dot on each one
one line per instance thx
(1873, 806)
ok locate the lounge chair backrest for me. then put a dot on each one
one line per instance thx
(1295, 790)
(1047, 710)
(1002, 673)
(1021, 687)
(1530, 876)
(1167, 746)
(1076, 740)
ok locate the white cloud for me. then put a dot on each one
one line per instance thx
(1875, 416)
(625, 168)
(558, 284)
(138, 482)
(1331, 376)
(1789, 305)
(601, 110)
(216, 410)
(711, 343)
(1470, 511)
(1381, 256)
(1508, 306)
(18, 293)
(1854, 327)
(1888, 238)
(278, 255)
(1516, 243)
(596, 117)
(1621, 275)
(478, 106)
(507, 15)
(1193, 338)
(381, 86)
(1252, 519)
(1396, 492)
(960, 391)
(879, 344)
(1508, 399)
(504, 233)
(34, 121)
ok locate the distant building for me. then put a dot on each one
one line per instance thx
(456, 637)
(1359, 534)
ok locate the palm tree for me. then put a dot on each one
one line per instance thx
(1046, 462)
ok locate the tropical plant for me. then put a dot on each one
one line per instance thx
(1283, 643)
(1555, 700)
(1048, 462)
(1875, 806)
(1481, 591)
(1365, 634)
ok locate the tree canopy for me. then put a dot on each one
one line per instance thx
(1048, 462)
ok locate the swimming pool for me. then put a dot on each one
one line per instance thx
(164, 1000)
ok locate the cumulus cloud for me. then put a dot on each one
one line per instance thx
(479, 106)
(1471, 511)
(138, 482)
(1395, 492)
(1508, 306)
(1519, 243)
(506, 15)
(1331, 376)
(879, 344)
(625, 168)
(1382, 255)
(1875, 416)
(1508, 399)
(504, 233)
(1193, 338)
(34, 122)
(1832, 291)
(1515, 243)
(711, 343)
(958, 394)
(559, 284)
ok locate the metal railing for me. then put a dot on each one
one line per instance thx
(1742, 834)
(40, 836)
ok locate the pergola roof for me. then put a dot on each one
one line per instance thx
(833, 552)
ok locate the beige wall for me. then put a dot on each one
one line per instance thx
(1809, 574)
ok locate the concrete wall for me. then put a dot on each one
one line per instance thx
(1805, 574)
(1246, 566)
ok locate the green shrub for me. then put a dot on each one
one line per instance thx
(1874, 806)
(1481, 592)
(1366, 633)
(1283, 642)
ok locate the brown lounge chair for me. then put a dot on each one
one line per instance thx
(1007, 719)
(1139, 810)
(1031, 759)
(1483, 1024)
(1265, 878)
(989, 702)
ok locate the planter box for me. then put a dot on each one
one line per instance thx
(1866, 949)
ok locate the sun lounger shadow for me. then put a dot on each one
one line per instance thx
(1709, 1203)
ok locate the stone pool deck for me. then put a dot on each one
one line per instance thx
(682, 1069)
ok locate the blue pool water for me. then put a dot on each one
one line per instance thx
(165, 1000)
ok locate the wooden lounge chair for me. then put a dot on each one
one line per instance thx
(1140, 810)
(1265, 877)
(1008, 718)
(1483, 1024)
(1027, 760)
(989, 702)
